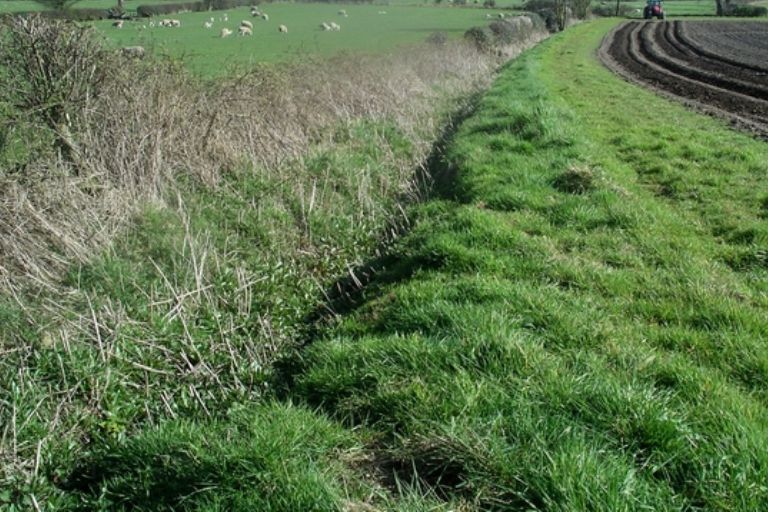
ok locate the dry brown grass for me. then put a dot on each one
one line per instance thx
(148, 123)
(147, 127)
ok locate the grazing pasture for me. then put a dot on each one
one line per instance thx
(31, 5)
(365, 29)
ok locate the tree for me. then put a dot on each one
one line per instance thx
(723, 7)
(57, 5)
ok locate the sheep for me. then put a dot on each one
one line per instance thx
(164, 23)
(175, 23)
(501, 15)
(255, 13)
(151, 24)
(244, 31)
(382, 12)
(265, 17)
(335, 27)
(343, 12)
(207, 24)
(134, 52)
(118, 23)
(225, 17)
(212, 19)
(282, 29)
(246, 23)
(225, 32)
(325, 26)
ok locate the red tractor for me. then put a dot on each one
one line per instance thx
(654, 9)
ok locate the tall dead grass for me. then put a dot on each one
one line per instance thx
(150, 122)
(147, 126)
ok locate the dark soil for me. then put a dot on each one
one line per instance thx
(718, 67)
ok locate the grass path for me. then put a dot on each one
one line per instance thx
(581, 325)
(575, 322)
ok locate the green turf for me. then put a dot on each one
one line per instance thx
(365, 30)
(580, 323)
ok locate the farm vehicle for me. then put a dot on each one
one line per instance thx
(654, 9)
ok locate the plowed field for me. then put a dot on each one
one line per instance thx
(718, 67)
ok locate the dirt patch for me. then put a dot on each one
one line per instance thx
(716, 67)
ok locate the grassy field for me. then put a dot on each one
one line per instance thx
(30, 5)
(365, 30)
(579, 324)
(575, 320)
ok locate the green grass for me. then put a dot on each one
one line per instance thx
(570, 329)
(363, 31)
(575, 321)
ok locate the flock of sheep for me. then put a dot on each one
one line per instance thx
(245, 28)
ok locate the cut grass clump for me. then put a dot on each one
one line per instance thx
(576, 180)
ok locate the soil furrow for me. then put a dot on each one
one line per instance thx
(653, 54)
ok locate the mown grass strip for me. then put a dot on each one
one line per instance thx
(581, 324)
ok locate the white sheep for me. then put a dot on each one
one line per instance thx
(212, 19)
(343, 12)
(151, 24)
(118, 23)
(282, 29)
(501, 15)
(255, 13)
(244, 31)
(335, 26)
(382, 12)
(325, 26)
(225, 17)
(225, 32)
(246, 23)
(208, 24)
(265, 17)
(175, 23)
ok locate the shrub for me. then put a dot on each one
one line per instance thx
(220, 5)
(480, 37)
(69, 14)
(489, 4)
(58, 68)
(548, 10)
(146, 11)
(580, 8)
(608, 10)
(511, 30)
(747, 11)
(437, 38)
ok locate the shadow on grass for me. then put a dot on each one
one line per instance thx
(435, 181)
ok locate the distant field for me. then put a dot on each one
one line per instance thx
(365, 30)
(29, 5)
